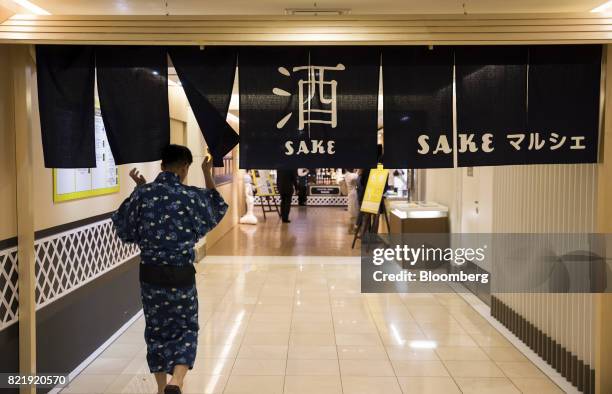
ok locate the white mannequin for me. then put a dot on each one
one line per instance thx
(249, 217)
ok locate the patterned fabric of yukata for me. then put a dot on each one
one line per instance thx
(165, 219)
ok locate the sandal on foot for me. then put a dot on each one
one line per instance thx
(172, 389)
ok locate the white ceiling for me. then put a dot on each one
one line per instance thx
(270, 7)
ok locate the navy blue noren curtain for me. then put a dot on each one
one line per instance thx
(418, 100)
(207, 77)
(358, 86)
(65, 76)
(261, 109)
(133, 91)
(564, 89)
(491, 99)
(278, 131)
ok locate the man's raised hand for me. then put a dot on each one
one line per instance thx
(207, 164)
(137, 177)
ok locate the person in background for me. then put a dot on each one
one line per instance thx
(302, 186)
(352, 178)
(286, 181)
(165, 218)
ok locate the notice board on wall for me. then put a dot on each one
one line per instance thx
(264, 183)
(76, 183)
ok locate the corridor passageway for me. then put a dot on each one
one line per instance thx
(477, 137)
(276, 318)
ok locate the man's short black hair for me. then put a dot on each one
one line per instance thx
(176, 155)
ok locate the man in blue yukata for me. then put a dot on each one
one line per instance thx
(165, 218)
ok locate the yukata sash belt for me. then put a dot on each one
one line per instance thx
(167, 275)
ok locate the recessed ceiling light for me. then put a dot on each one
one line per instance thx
(603, 8)
(33, 8)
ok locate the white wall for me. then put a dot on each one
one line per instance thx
(443, 185)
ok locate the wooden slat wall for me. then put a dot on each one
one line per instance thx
(272, 30)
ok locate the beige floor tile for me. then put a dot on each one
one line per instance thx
(366, 368)
(274, 300)
(486, 386)
(357, 316)
(313, 384)
(220, 337)
(465, 353)
(138, 365)
(266, 352)
(355, 326)
(450, 339)
(395, 318)
(278, 326)
(504, 353)
(419, 368)
(312, 339)
(324, 326)
(362, 353)
(123, 350)
(312, 367)
(85, 383)
(536, 386)
(399, 339)
(204, 384)
(269, 317)
(133, 384)
(300, 307)
(213, 366)
(107, 366)
(358, 339)
(266, 338)
(121, 381)
(246, 366)
(410, 353)
(428, 385)
(520, 369)
(399, 326)
(217, 351)
(305, 352)
(447, 326)
(238, 384)
(131, 337)
(492, 339)
(311, 317)
(473, 369)
(370, 385)
(277, 308)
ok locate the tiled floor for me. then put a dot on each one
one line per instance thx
(313, 231)
(300, 325)
(281, 316)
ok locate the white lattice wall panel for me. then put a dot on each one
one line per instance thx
(64, 262)
(9, 302)
(314, 200)
(68, 260)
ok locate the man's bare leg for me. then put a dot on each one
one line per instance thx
(160, 378)
(180, 370)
